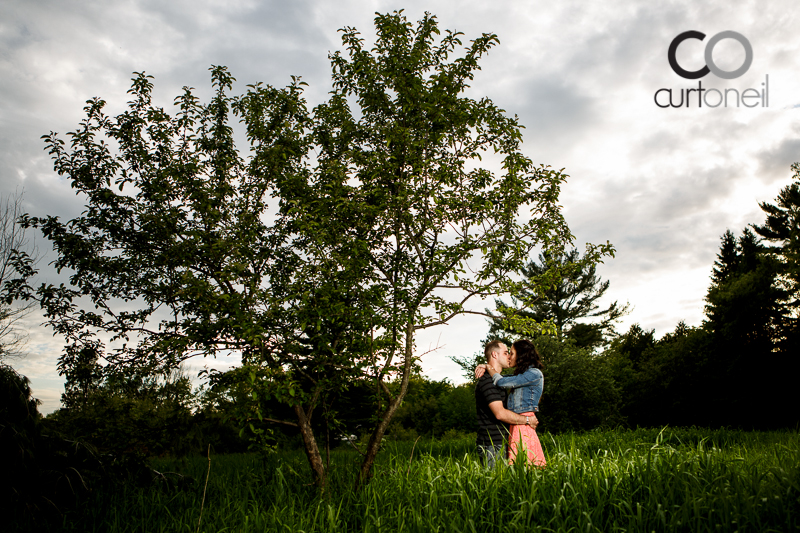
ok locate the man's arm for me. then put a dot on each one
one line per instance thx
(510, 417)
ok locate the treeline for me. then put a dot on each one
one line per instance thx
(739, 368)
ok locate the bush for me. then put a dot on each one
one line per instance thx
(580, 391)
(432, 408)
(44, 474)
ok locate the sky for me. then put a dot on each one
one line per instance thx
(662, 184)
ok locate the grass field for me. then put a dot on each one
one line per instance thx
(642, 480)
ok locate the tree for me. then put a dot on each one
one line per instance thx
(13, 241)
(402, 173)
(746, 319)
(178, 253)
(744, 302)
(568, 300)
(782, 230)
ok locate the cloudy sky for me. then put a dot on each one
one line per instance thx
(661, 184)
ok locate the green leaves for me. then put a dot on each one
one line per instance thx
(399, 161)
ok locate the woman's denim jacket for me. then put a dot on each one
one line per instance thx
(526, 389)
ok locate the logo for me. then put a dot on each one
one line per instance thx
(730, 97)
(709, 55)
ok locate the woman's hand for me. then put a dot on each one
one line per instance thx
(480, 370)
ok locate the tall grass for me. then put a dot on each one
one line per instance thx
(643, 480)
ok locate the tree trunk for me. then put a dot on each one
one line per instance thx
(377, 435)
(311, 448)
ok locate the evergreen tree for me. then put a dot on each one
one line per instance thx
(569, 301)
(727, 260)
(746, 318)
(782, 230)
(744, 302)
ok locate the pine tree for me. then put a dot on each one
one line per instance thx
(570, 302)
(782, 230)
(727, 260)
(746, 317)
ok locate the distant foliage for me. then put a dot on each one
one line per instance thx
(580, 389)
(135, 415)
(434, 408)
(662, 381)
(44, 474)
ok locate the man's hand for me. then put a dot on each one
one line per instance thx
(510, 417)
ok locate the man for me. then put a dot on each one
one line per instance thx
(493, 417)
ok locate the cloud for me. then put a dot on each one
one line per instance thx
(775, 163)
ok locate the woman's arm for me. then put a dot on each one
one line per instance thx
(530, 376)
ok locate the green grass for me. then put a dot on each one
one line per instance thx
(643, 480)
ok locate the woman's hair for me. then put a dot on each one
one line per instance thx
(527, 356)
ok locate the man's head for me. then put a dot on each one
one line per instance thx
(496, 353)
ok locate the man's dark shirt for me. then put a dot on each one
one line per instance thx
(490, 430)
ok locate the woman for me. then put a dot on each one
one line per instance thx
(525, 390)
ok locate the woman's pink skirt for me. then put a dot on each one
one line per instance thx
(524, 444)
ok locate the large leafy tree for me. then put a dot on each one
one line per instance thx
(178, 253)
(391, 226)
(401, 184)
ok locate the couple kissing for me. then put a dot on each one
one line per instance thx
(506, 405)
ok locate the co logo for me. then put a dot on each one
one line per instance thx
(710, 66)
